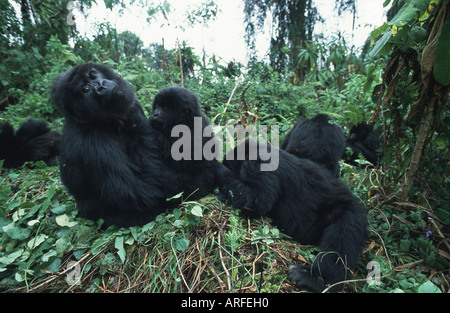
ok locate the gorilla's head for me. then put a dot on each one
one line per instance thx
(91, 93)
(358, 133)
(174, 106)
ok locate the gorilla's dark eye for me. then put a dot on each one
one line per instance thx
(86, 89)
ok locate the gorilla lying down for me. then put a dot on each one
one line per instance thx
(306, 202)
(115, 162)
(33, 141)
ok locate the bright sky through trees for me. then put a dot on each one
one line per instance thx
(224, 36)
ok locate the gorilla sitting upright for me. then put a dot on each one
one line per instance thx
(33, 141)
(113, 161)
(305, 201)
(177, 106)
(318, 140)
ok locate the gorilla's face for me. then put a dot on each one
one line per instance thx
(359, 132)
(92, 93)
(174, 106)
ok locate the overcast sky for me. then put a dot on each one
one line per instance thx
(224, 37)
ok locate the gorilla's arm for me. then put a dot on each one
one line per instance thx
(106, 180)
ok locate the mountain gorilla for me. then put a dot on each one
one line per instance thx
(33, 141)
(362, 139)
(317, 140)
(306, 202)
(176, 106)
(112, 160)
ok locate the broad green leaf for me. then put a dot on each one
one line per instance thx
(176, 213)
(46, 257)
(148, 226)
(429, 287)
(380, 44)
(118, 244)
(63, 220)
(421, 4)
(442, 65)
(405, 15)
(61, 245)
(10, 258)
(59, 210)
(380, 30)
(54, 266)
(181, 244)
(13, 204)
(16, 232)
(197, 211)
(32, 222)
(36, 241)
(98, 244)
(129, 241)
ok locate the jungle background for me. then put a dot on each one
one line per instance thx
(399, 81)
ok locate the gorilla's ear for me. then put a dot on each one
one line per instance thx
(59, 90)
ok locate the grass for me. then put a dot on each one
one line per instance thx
(199, 247)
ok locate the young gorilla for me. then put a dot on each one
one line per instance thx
(110, 160)
(362, 139)
(177, 106)
(318, 140)
(306, 202)
(33, 141)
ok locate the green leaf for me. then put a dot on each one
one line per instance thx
(54, 266)
(118, 244)
(32, 222)
(98, 244)
(13, 204)
(36, 241)
(61, 245)
(46, 257)
(428, 287)
(177, 196)
(148, 226)
(178, 223)
(404, 16)
(63, 220)
(197, 211)
(16, 232)
(380, 44)
(442, 65)
(10, 258)
(182, 244)
(176, 213)
(60, 209)
(380, 30)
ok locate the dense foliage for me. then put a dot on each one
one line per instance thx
(205, 246)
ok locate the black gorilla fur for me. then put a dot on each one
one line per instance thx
(362, 139)
(174, 106)
(111, 159)
(33, 141)
(318, 140)
(306, 202)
